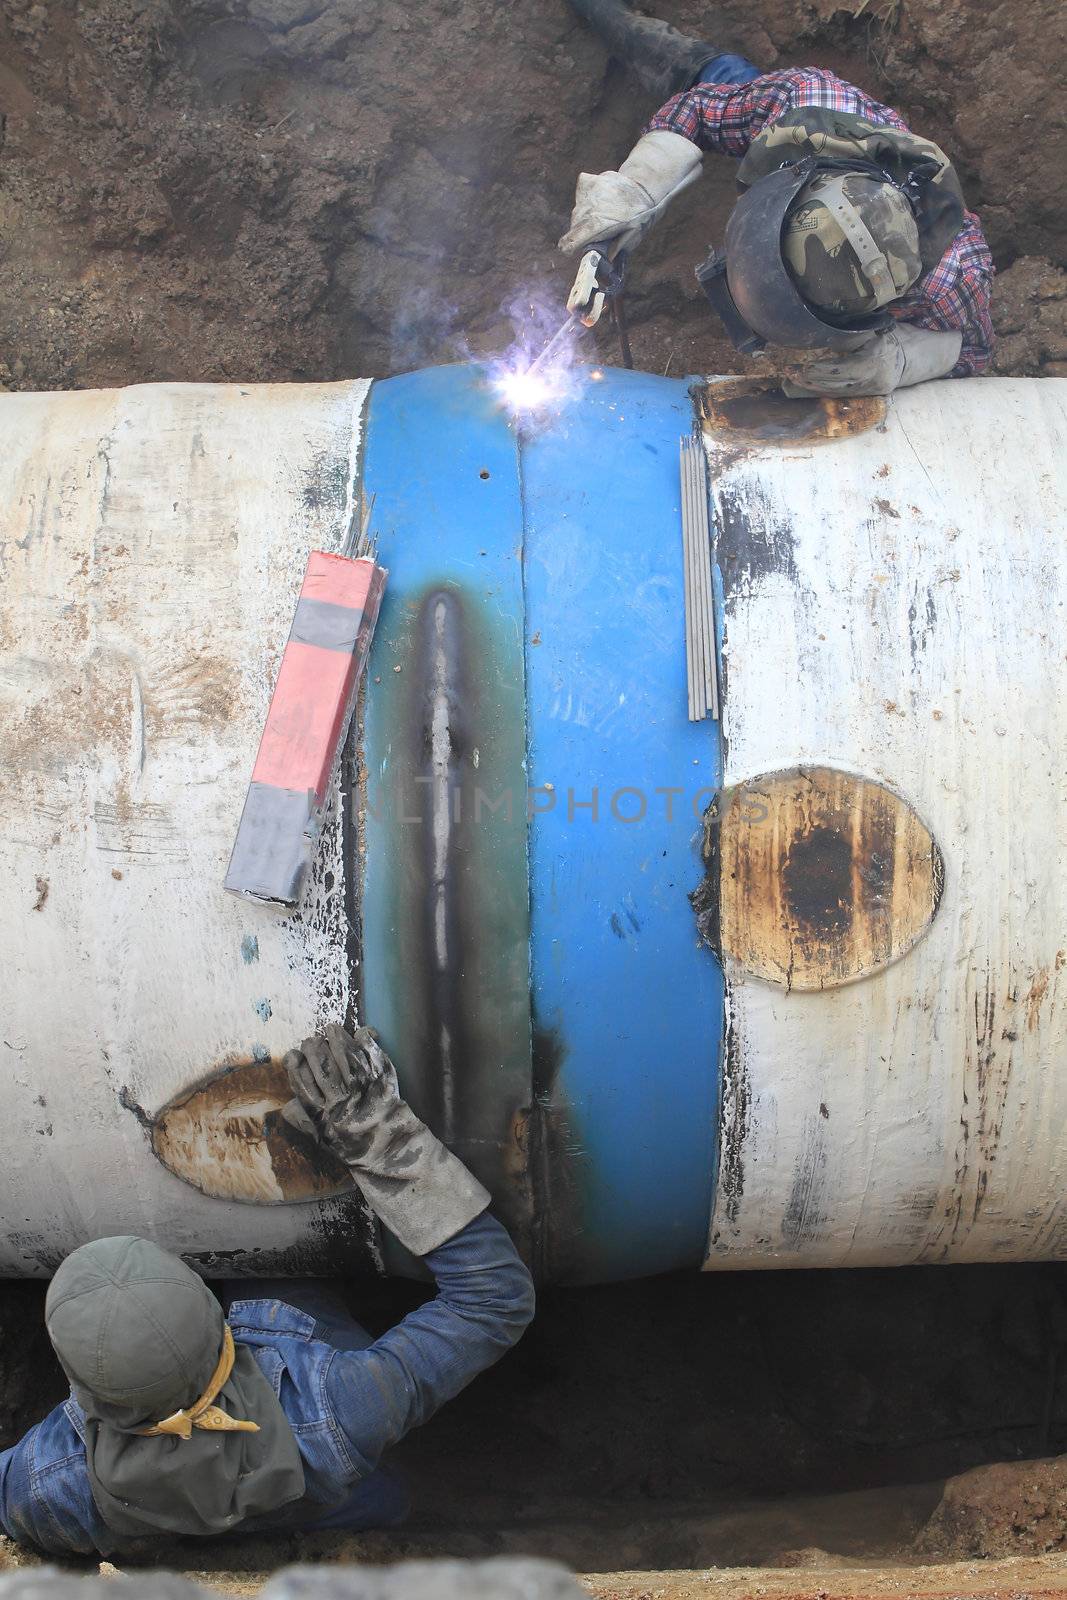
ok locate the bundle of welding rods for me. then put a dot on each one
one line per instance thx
(700, 642)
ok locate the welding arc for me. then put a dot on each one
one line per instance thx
(700, 640)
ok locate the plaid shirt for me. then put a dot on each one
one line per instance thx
(953, 296)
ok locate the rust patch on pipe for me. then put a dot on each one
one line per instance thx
(227, 1138)
(750, 411)
(1005, 1006)
(816, 877)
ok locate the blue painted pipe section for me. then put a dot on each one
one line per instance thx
(618, 975)
(540, 980)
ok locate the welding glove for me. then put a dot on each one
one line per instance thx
(894, 359)
(347, 1095)
(618, 208)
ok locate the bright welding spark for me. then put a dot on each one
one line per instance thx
(527, 392)
(524, 390)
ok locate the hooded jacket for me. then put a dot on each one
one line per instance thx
(140, 1336)
(343, 1406)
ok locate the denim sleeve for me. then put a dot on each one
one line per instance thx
(7, 1467)
(45, 1498)
(485, 1300)
(18, 1517)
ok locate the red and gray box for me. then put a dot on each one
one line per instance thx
(307, 723)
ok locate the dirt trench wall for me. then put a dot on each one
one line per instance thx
(977, 76)
(281, 189)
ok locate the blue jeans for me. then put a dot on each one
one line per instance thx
(727, 68)
(382, 1500)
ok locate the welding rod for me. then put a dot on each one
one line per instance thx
(699, 620)
(358, 544)
(711, 653)
(704, 573)
(697, 493)
(557, 338)
(711, 645)
(691, 598)
(701, 640)
(687, 556)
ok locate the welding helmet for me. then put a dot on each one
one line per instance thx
(813, 254)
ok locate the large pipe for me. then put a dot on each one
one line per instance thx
(844, 1051)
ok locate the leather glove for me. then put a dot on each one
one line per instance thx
(347, 1095)
(894, 359)
(618, 208)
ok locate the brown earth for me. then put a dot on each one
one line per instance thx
(1031, 314)
(704, 1421)
(1006, 1509)
(276, 189)
(994, 1580)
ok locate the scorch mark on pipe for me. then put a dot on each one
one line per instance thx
(441, 800)
(226, 1137)
(753, 543)
(546, 1151)
(816, 877)
(743, 414)
(1002, 1013)
(442, 711)
(735, 1124)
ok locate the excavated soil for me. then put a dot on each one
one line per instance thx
(692, 1422)
(290, 189)
(285, 189)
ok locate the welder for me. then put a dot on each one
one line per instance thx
(185, 1420)
(849, 260)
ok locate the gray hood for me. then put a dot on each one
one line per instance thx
(139, 1335)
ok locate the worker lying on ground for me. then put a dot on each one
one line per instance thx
(181, 1422)
(850, 240)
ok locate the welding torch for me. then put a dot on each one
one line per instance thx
(598, 282)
